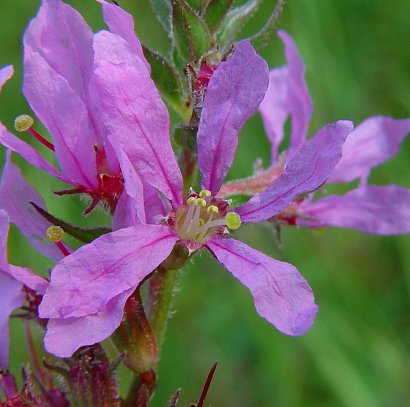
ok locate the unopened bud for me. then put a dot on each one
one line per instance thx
(23, 122)
(55, 234)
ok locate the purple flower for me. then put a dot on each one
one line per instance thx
(368, 208)
(60, 61)
(88, 289)
(12, 279)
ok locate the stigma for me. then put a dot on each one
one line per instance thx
(203, 216)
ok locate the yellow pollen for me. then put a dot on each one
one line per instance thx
(200, 222)
(23, 122)
(200, 201)
(205, 193)
(212, 209)
(233, 220)
(55, 234)
(190, 200)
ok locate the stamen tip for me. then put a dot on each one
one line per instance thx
(205, 193)
(23, 122)
(200, 201)
(233, 220)
(55, 234)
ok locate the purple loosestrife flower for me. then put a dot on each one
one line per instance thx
(88, 289)
(59, 83)
(368, 208)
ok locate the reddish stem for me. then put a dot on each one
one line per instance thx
(63, 249)
(206, 385)
(41, 139)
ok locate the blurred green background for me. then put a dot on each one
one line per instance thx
(357, 56)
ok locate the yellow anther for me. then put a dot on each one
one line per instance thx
(23, 122)
(200, 201)
(205, 193)
(212, 209)
(200, 222)
(190, 200)
(55, 234)
(233, 220)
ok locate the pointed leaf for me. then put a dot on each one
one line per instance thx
(165, 76)
(163, 11)
(215, 12)
(191, 34)
(81, 234)
(235, 20)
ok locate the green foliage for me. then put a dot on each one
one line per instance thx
(215, 11)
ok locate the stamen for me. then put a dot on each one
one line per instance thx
(200, 201)
(212, 209)
(188, 216)
(190, 200)
(55, 234)
(233, 220)
(25, 122)
(205, 193)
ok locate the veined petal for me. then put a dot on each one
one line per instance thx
(282, 296)
(15, 197)
(287, 94)
(65, 116)
(11, 298)
(25, 150)
(138, 120)
(305, 172)
(122, 23)
(4, 232)
(83, 283)
(373, 142)
(5, 74)
(65, 336)
(62, 37)
(233, 95)
(383, 210)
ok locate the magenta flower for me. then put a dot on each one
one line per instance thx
(88, 289)
(60, 60)
(368, 208)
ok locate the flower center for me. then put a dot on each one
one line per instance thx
(203, 216)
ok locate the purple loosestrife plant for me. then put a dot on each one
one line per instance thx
(368, 208)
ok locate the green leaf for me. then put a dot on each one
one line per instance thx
(81, 234)
(185, 136)
(165, 77)
(191, 35)
(235, 20)
(261, 39)
(163, 11)
(215, 11)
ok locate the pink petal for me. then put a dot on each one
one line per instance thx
(5, 74)
(65, 336)
(15, 197)
(11, 298)
(282, 296)
(383, 210)
(305, 172)
(122, 23)
(287, 94)
(62, 37)
(65, 116)
(138, 120)
(4, 232)
(84, 282)
(233, 95)
(371, 143)
(27, 152)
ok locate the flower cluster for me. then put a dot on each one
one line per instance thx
(111, 137)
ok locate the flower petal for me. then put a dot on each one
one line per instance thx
(282, 296)
(305, 172)
(25, 150)
(62, 37)
(65, 336)
(233, 95)
(15, 197)
(5, 74)
(287, 94)
(374, 141)
(138, 120)
(382, 210)
(84, 282)
(11, 298)
(122, 23)
(65, 116)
